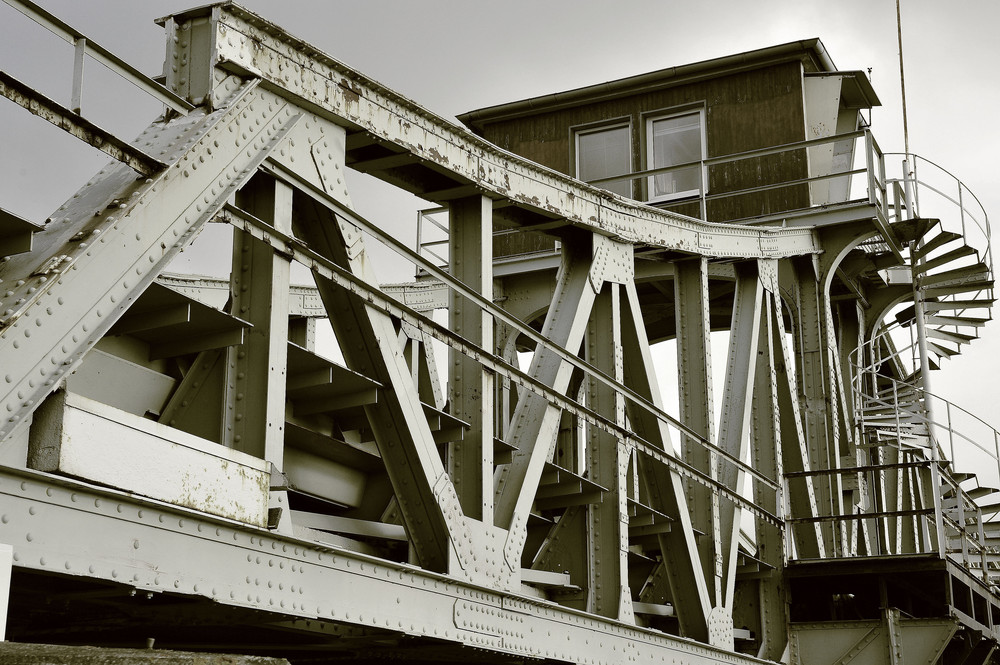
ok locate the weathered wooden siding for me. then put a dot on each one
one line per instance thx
(744, 111)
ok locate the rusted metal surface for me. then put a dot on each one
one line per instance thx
(14, 653)
(228, 477)
(77, 125)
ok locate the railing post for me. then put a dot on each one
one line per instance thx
(76, 100)
(961, 207)
(420, 231)
(870, 165)
(951, 431)
(702, 176)
(996, 448)
(960, 495)
(908, 188)
(982, 545)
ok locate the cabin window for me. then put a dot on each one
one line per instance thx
(672, 140)
(605, 152)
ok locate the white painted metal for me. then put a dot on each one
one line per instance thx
(105, 274)
(251, 43)
(79, 437)
(567, 563)
(471, 387)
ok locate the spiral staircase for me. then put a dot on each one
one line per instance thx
(944, 458)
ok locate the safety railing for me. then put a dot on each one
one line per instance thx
(70, 119)
(508, 244)
(914, 494)
(934, 191)
(432, 237)
(84, 46)
(873, 170)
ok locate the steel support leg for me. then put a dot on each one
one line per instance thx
(683, 571)
(794, 451)
(470, 387)
(694, 369)
(767, 458)
(368, 340)
(535, 423)
(734, 429)
(817, 384)
(607, 465)
(255, 371)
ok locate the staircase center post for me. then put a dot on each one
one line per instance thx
(928, 403)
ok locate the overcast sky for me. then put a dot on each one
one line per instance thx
(452, 56)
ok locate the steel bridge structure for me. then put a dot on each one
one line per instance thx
(486, 469)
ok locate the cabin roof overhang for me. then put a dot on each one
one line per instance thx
(810, 51)
(856, 90)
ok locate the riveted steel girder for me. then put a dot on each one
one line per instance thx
(694, 368)
(256, 370)
(766, 456)
(368, 339)
(470, 386)
(110, 241)
(607, 458)
(70, 527)
(734, 429)
(243, 42)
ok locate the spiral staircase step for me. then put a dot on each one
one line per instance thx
(957, 276)
(949, 336)
(958, 305)
(942, 238)
(948, 257)
(941, 351)
(969, 321)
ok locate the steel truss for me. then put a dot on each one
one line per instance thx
(557, 511)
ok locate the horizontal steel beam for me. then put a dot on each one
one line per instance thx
(248, 43)
(71, 528)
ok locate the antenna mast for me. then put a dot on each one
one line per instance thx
(902, 80)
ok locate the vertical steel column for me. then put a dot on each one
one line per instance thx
(694, 370)
(607, 465)
(817, 388)
(767, 458)
(734, 429)
(255, 371)
(850, 318)
(470, 387)
(933, 493)
(794, 450)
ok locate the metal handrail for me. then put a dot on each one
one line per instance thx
(969, 537)
(964, 199)
(874, 167)
(86, 46)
